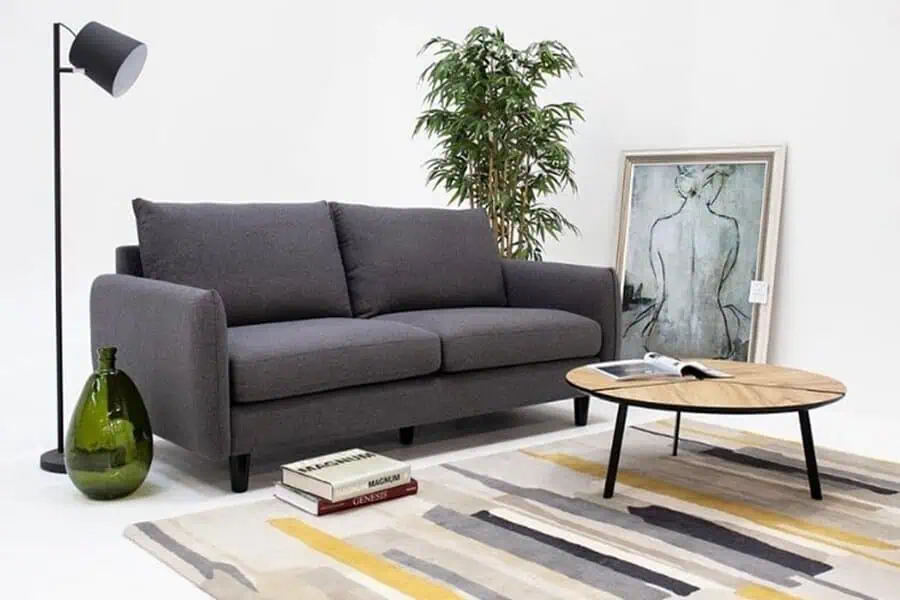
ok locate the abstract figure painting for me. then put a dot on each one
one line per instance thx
(697, 227)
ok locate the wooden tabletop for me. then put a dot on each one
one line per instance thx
(754, 388)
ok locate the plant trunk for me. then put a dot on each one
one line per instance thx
(493, 210)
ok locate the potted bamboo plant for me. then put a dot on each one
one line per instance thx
(499, 148)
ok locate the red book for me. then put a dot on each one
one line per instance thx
(319, 506)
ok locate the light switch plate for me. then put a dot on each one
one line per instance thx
(759, 292)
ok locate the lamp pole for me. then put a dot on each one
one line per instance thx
(53, 460)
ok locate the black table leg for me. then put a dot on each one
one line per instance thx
(613, 468)
(677, 433)
(812, 468)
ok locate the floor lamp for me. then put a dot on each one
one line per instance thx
(113, 61)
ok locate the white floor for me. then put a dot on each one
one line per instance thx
(54, 543)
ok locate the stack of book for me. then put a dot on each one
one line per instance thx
(343, 480)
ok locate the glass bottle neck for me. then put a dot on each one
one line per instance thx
(106, 360)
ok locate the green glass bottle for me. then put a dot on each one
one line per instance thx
(109, 444)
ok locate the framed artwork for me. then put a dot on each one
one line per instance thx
(698, 229)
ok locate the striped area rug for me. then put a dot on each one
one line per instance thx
(729, 517)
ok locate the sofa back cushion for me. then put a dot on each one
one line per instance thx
(269, 262)
(417, 258)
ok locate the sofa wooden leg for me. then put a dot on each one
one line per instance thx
(406, 435)
(239, 466)
(582, 403)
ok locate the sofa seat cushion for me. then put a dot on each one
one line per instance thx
(278, 360)
(486, 337)
(269, 262)
(400, 259)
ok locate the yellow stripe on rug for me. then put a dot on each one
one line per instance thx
(760, 516)
(740, 438)
(363, 561)
(761, 592)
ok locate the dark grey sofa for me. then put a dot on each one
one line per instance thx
(264, 326)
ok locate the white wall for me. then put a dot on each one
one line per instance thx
(287, 100)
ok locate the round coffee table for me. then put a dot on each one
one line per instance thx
(753, 389)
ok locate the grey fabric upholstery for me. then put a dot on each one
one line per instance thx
(312, 419)
(257, 387)
(488, 337)
(269, 262)
(592, 292)
(172, 342)
(128, 261)
(416, 258)
(278, 360)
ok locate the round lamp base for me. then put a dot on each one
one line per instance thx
(53, 461)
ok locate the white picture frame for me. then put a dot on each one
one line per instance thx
(693, 206)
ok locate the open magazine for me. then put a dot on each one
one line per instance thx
(655, 365)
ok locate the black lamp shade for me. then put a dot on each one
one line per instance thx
(110, 59)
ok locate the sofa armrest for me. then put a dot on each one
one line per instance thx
(172, 341)
(592, 292)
